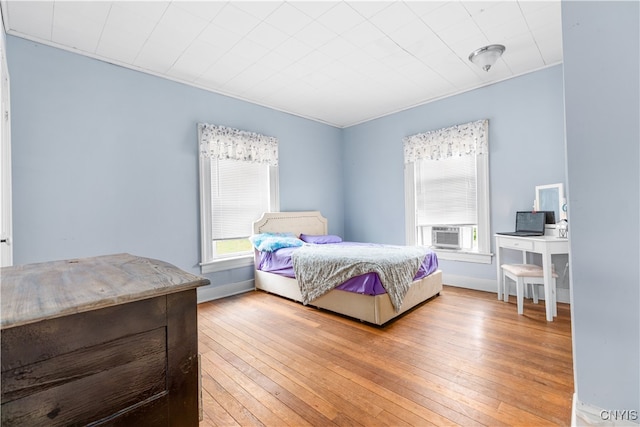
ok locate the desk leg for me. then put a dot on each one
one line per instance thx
(525, 260)
(499, 269)
(549, 292)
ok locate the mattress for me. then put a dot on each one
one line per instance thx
(280, 262)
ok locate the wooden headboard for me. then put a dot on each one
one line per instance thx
(309, 222)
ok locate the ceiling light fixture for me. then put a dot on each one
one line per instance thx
(486, 56)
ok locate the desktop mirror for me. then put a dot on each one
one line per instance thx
(550, 198)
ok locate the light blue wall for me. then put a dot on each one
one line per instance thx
(603, 151)
(105, 159)
(526, 144)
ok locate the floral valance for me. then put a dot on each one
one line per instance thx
(460, 140)
(220, 142)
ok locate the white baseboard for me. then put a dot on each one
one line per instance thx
(467, 282)
(583, 415)
(490, 285)
(563, 295)
(212, 292)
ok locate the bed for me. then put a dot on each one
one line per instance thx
(375, 309)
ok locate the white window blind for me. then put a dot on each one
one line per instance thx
(239, 196)
(446, 191)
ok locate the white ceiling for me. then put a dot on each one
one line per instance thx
(340, 63)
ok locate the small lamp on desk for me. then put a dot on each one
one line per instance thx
(563, 229)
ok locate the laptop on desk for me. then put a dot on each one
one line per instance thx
(528, 224)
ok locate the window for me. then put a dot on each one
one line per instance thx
(447, 191)
(238, 183)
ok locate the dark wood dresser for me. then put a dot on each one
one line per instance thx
(109, 340)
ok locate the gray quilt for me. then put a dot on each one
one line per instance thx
(320, 268)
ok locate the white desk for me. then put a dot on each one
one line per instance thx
(544, 245)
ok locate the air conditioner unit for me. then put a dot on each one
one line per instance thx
(448, 237)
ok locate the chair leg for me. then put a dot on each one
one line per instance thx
(520, 294)
(534, 291)
(505, 290)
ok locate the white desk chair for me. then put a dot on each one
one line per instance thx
(523, 274)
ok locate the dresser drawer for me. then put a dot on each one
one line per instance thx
(519, 244)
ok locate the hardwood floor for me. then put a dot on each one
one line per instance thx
(462, 358)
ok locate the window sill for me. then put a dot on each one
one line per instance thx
(465, 256)
(226, 264)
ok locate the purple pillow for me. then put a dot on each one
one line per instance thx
(320, 239)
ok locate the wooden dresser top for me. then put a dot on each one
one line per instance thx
(34, 292)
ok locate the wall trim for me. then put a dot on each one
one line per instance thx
(220, 91)
(210, 293)
(491, 285)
